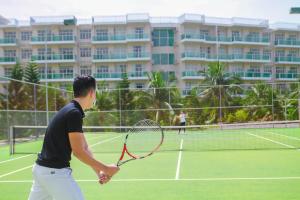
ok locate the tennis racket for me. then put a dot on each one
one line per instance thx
(141, 141)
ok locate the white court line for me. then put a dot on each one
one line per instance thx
(182, 179)
(179, 161)
(276, 142)
(20, 157)
(291, 137)
(12, 159)
(18, 170)
(107, 140)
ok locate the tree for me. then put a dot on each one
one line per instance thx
(16, 91)
(221, 91)
(32, 75)
(123, 100)
(158, 97)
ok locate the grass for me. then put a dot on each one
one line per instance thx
(250, 164)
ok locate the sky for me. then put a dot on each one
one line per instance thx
(273, 10)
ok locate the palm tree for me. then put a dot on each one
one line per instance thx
(267, 103)
(158, 97)
(221, 91)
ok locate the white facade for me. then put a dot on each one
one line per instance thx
(108, 46)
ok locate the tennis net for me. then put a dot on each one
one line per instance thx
(109, 139)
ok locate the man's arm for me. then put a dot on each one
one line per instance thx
(81, 151)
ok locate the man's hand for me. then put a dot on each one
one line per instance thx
(111, 170)
(103, 178)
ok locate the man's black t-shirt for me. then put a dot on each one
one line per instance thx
(56, 151)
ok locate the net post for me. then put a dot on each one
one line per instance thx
(11, 140)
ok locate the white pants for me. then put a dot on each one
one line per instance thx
(54, 184)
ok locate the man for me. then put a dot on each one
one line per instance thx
(182, 118)
(64, 135)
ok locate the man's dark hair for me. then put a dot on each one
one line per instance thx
(82, 85)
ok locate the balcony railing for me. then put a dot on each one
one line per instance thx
(7, 59)
(54, 57)
(250, 75)
(227, 57)
(115, 75)
(109, 57)
(53, 38)
(211, 38)
(57, 76)
(193, 74)
(104, 38)
(289, 75)
(287, 59)
(289, 43)
(8, 41)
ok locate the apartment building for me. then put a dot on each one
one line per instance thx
(181, 47)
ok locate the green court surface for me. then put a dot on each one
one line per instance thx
(245, 164)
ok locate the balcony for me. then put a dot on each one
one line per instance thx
(57, 76)
(110, 58)
(104, 39)
(8, 60)
(251, 57)
(197, 56)
(138, 56)
(288, 76)
(54, 58)
(109, 76)
(193, 75)
(287, 60)
(137, 75)
(288, 43)
(8, 42)
(249, 75)
(251, 40)
(138, 38)
(191, 37)
(54, 39)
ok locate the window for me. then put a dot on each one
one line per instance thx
(139, 85)
(42, 35)
(66, 70)
(85, 52)
(85, 70)
(25, 36)
(66, 34)
(120, 68)
(280, 70)
(102, 53)
(10, 53)
(26, 53)
(279, 36)
(85, 34)
(66, 51)
(137, 51)
(267, 69)
(255, 69)
(138, 70)
(7, 72)
(102, 34)
(163, 59)
(139, 32)
(10, 36)
(42, 70)
(102, 70)
(236, 36)
(163, 37)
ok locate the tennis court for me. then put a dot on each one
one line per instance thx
(250, 163)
